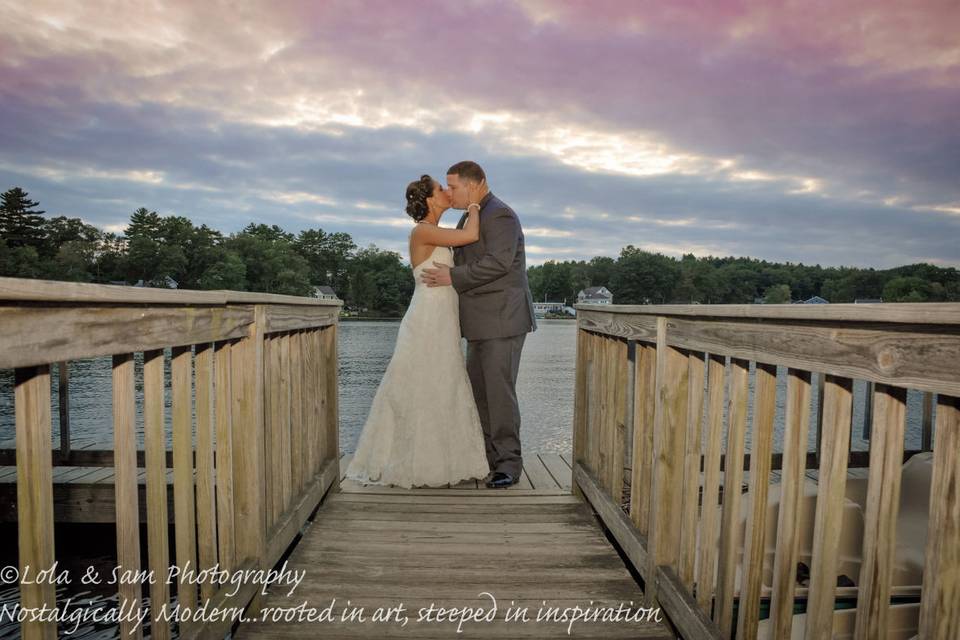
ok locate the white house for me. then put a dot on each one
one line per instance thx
(595, 295)
(324, 293)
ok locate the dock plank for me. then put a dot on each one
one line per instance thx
(538, 473)
(523, 484)
(85, 493)
(450, 549)
(526, 484)
(559, 468)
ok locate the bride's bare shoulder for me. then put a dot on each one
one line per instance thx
(416, 240)
(419, 249)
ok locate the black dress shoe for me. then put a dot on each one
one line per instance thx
(499, 480)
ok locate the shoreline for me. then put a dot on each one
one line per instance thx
(397, 319)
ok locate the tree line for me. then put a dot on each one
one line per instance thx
(642, 277)
(153, 249)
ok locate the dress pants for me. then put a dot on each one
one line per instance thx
(492, 365)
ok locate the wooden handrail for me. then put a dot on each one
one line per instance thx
(663, 394)
(57, 291)
(900, 312)
(867, 344)
(258, 372)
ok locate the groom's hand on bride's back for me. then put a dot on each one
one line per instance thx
(438, 277)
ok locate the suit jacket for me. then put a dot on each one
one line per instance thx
(490, 276)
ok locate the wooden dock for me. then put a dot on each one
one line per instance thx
(663, 397)
(527, 545)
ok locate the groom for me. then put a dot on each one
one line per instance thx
(496, 313)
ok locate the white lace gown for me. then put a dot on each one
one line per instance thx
(423, 428)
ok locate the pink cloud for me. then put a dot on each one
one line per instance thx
(859, 96)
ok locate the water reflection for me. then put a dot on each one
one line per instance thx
(77, 547)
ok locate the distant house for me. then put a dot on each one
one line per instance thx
(595, 295)
(540, 309)
(324, 293)
(813, 300)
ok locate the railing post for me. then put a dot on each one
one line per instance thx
(837, 404)
(155, 461)
(754, 542)
(580, 401)
(184, 489)
(35, 494)
(616, 425)
(691, 473)
(883, 502)
(206, 475)
(223, 456)
(248, 447)
(939, 613)
(331, 401)
(737, 398)
(821, 381)
(126, 493)
(642, 443)
(796, 428)
(669, 435)
(631, 399)
(708, 552)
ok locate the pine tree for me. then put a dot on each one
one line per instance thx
(20, 226)
(144, 224)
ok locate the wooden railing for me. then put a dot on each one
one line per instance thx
(660, 422)
(258, 371)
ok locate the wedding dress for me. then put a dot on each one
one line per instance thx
(423, 428)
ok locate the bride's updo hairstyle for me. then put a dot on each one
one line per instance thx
(417, 193)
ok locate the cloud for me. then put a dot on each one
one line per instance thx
(780, 132)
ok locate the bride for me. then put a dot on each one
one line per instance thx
(423, 428)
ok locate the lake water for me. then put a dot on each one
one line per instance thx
(544, 388)
(544, 382)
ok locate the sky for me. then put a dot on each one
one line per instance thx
(810, 132)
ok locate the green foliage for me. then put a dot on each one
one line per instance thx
(379, 283)
(907, 289)
(227, 271)
(155, 248)
(20, 224)
(374, 282)
(329, 256)
(778, 294)
(642, 277)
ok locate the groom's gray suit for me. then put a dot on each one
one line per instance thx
(496, 313)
